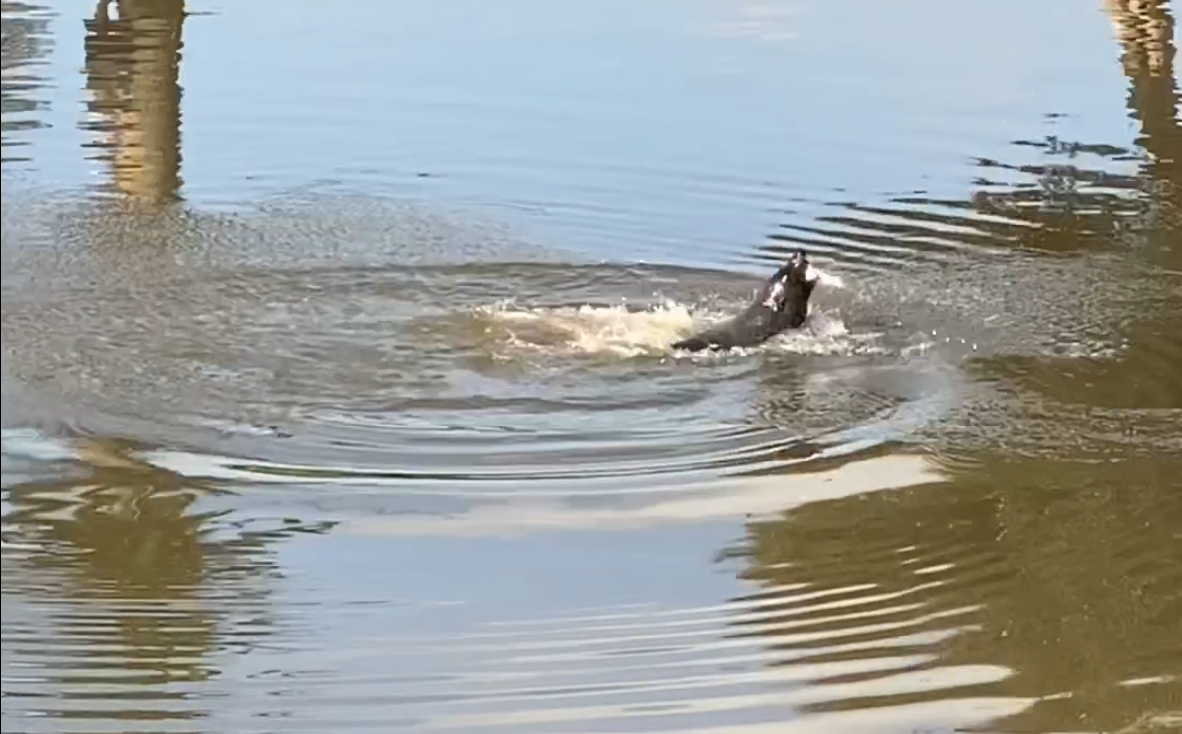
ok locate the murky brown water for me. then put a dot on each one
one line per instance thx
(336, 394)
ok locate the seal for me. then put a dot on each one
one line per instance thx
(781, 303)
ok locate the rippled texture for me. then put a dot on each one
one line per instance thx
(337, 392)
(25, 40)
(984, 590)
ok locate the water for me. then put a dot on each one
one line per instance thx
(337, 395)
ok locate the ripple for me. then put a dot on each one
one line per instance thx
(961, 570)
(27, 43)
(668, 665)
(329, 461)
(510, 377)
(557, 374)
(523, 369)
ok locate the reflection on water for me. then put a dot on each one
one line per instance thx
(121, 598)
(1047, 584)
(24, 30)
(1147, 34)
(132, 71)
(312, 456)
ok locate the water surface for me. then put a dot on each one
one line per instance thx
(337, 394)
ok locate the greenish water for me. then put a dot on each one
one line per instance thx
(336, 394)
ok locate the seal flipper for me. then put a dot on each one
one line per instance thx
(716, 338)
(693, 344)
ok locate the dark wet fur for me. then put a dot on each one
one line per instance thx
(758, 322)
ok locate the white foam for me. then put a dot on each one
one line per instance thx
(618, 331)
(823, 278)
(596, 329)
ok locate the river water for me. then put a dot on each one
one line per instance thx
(337, 395)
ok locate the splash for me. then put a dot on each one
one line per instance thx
(617, 330)
(624, 331)
(824, 334)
